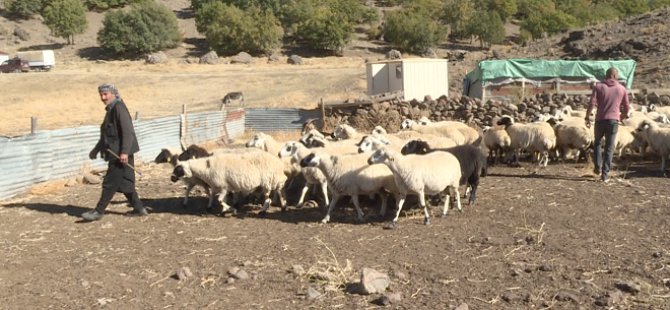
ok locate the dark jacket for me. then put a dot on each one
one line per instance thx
(117, 132)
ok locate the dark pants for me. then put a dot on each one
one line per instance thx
(608, 130)
(119, 179)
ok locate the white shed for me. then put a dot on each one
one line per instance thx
(415, 77)
(3, 57)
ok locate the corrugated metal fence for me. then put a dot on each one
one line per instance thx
(58, 154)
(268, 120)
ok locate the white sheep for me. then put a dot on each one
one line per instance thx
(658, 138)
(349, 175)
(572, 134)
(172, 155)
(471, 135)
(446, 131)
(296, 151)
(345, 131)
(429, 174)
(238, 173)
(497, 141)
(269, 144)
(624, 139)
(532, 137)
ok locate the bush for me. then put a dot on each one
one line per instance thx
(65, 18)
(265, 5)
(23, 8)
(103, 5)
(488, 27)
(230, 30)
(147, 27)
(413, 31)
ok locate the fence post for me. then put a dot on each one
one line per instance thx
(183, 131)
(323, 116)
(33, 125)
(137, 115)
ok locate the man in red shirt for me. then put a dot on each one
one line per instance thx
(611, 100)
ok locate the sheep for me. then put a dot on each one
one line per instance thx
(267, 143)
(429, 174)
(238, 173)
(296, 152)
(497, 141)
(344, 132)
(193, 151)
(624, 139)
(471, 159)
(471, 135)
(572, 134)
(658, 138)
(533, 137)
(340, 147)
(446, 131)
(349, 175)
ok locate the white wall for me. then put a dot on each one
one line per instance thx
(425, 77)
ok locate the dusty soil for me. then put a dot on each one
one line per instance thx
(537, 239)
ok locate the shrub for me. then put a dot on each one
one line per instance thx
(23, 8)
(412, 31)
(102, 5)
(230, 30)
(65, 18)
(147, 27)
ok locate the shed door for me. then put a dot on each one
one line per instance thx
(395, 75)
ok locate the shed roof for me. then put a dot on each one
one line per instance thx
(488, 70)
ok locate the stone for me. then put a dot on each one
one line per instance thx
(294, 60)
(183, 273)
(462, 306)
(312, 293)
(628, 287)
(567, 296)
(393, 54)
(238, 273)
(242, 58)
(394, 298)
(298, 270)
(157, 58)
(22, 34)
(545, 267)
(373, 281)
(210, 58)
(274, 58)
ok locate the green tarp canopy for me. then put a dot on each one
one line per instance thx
(536, 69)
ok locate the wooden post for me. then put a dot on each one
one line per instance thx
(183, 131)
(33, 125)
(137, 115)
(323, 115)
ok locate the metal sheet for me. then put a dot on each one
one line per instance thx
(156, 134)
(235, 123)
(268, 120)
(206, 126)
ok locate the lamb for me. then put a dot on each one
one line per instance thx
(658, 138)
(238, 173)
(497, 141)
(446, 131)
(472, 162)
(349, 175)
(429, 174)
(344, 132)
(193, 151)
(296, 152)
(533, 137)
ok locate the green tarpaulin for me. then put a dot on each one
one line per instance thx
(535, 69)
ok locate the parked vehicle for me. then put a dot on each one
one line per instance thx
(14, 65)
(42, 60)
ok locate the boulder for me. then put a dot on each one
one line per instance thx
(393, 54)
(242, 58)
(294, 60)
(373, 281)
(157, 58)
(210, 58)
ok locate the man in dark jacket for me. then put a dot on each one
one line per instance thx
(610, 99)
(116, 145)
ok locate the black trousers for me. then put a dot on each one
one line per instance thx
(119, 179)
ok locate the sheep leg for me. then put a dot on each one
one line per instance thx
(224, 205)
(357, 204)
(332, 204)
(266, 202)
(279, 195)
(385, 198)
(422, 203)
(473, 194)
(458, 198)
(302, 195)
(400, 201)
(324, 190)
(663, 165)
(447, 201)
(189, 187)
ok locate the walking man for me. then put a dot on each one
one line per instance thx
(611, 100)
(116, 145)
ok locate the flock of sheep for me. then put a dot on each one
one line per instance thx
(425, 158)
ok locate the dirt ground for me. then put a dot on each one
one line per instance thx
(537, 239)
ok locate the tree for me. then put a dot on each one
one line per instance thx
(457, 14)
(541, 17)
(412, 30)
(23, 8)
(102, 5)
(230, 30)
(147, 27)
(488, 27)
(65, 18)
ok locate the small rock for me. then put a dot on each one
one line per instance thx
(85, 284)
(183, 273)
(567, 296)
(628, 287)
(157, 58)
(394, 297)
(382, 301)
(238, 273)
(373, 281)
(509, 297)
(298, 270)
(312, 293)
(462, 306)
(247, 263)
(545, 267)
(610, 298)
(400, 275)
(209, 58)
(393, 54)
(230, 280)
(666, 282)
(515, 272)
(657, 255)
(273, 58)
(294, 60)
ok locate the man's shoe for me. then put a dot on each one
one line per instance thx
(138, 212)
(92, 215)
(604, 178)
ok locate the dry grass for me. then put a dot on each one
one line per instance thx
(329, 272)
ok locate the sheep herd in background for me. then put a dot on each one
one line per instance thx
(424, 159)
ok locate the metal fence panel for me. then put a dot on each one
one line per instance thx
(235, 123)
(204, 126)
(156, 134)
(267, 120)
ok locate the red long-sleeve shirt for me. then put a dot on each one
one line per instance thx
(611, 100)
